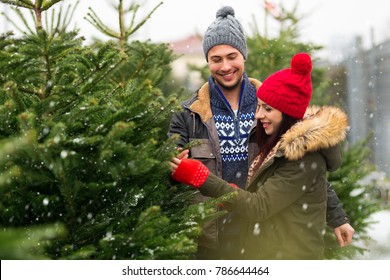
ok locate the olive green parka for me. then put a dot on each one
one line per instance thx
(283, 207)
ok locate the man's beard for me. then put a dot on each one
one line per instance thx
(232, 87)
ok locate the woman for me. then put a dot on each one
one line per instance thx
(283, 207)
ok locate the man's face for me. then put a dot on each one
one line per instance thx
(226, 66)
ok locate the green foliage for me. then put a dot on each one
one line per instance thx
(26, 244)
(84, 151)
(125, 31)
(141, 63)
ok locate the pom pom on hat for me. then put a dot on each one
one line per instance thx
(225, 11)
(301, 64)
(289, 90)
(225, 30)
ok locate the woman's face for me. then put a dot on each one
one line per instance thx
(269, 117)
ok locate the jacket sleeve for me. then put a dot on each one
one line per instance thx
(335, 214)
(276, 194)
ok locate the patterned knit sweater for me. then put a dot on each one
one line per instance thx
(233, 130)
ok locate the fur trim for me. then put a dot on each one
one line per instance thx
(202, 105)
(255, 82)
(323, 127)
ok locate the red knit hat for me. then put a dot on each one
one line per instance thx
(289, 90)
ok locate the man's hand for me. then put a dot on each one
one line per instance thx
(174, 163)
(344, 234)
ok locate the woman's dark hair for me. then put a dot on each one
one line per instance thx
(267, 142)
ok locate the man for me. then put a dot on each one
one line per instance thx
(220, 115)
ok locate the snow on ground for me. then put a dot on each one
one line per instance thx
(380, 232)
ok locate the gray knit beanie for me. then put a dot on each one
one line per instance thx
(225, 30)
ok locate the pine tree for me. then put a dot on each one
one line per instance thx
(267, 55)
(83, 146)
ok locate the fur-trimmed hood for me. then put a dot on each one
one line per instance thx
(322, 128)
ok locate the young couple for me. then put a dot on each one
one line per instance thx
(263, 141)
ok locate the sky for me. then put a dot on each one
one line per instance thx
(330, 23)
(324, 20)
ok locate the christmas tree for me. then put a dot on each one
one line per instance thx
(83, 145)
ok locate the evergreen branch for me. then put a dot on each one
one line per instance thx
(104, 63)
(69, 192)
(133, 8)
(26, 121)
(111, 93)
(48, 4)
(12, 145)
(100, 77)
(153, 117)
(48, 76)
(38, 19)
(65, 21)
(33, 18)
(4, 36)
(130, 32)
(68, 16)
(12, 22)
(93, 19)
(139, 67)
(23, 89)
(20, 3)
(58, 25)
(54, 27)
(66, 108)
(10, 175)
(22, 18)
(49, 28)
(26, 243)
(121, 25)
(11, 88)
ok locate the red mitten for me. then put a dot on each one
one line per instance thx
(191, 172)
